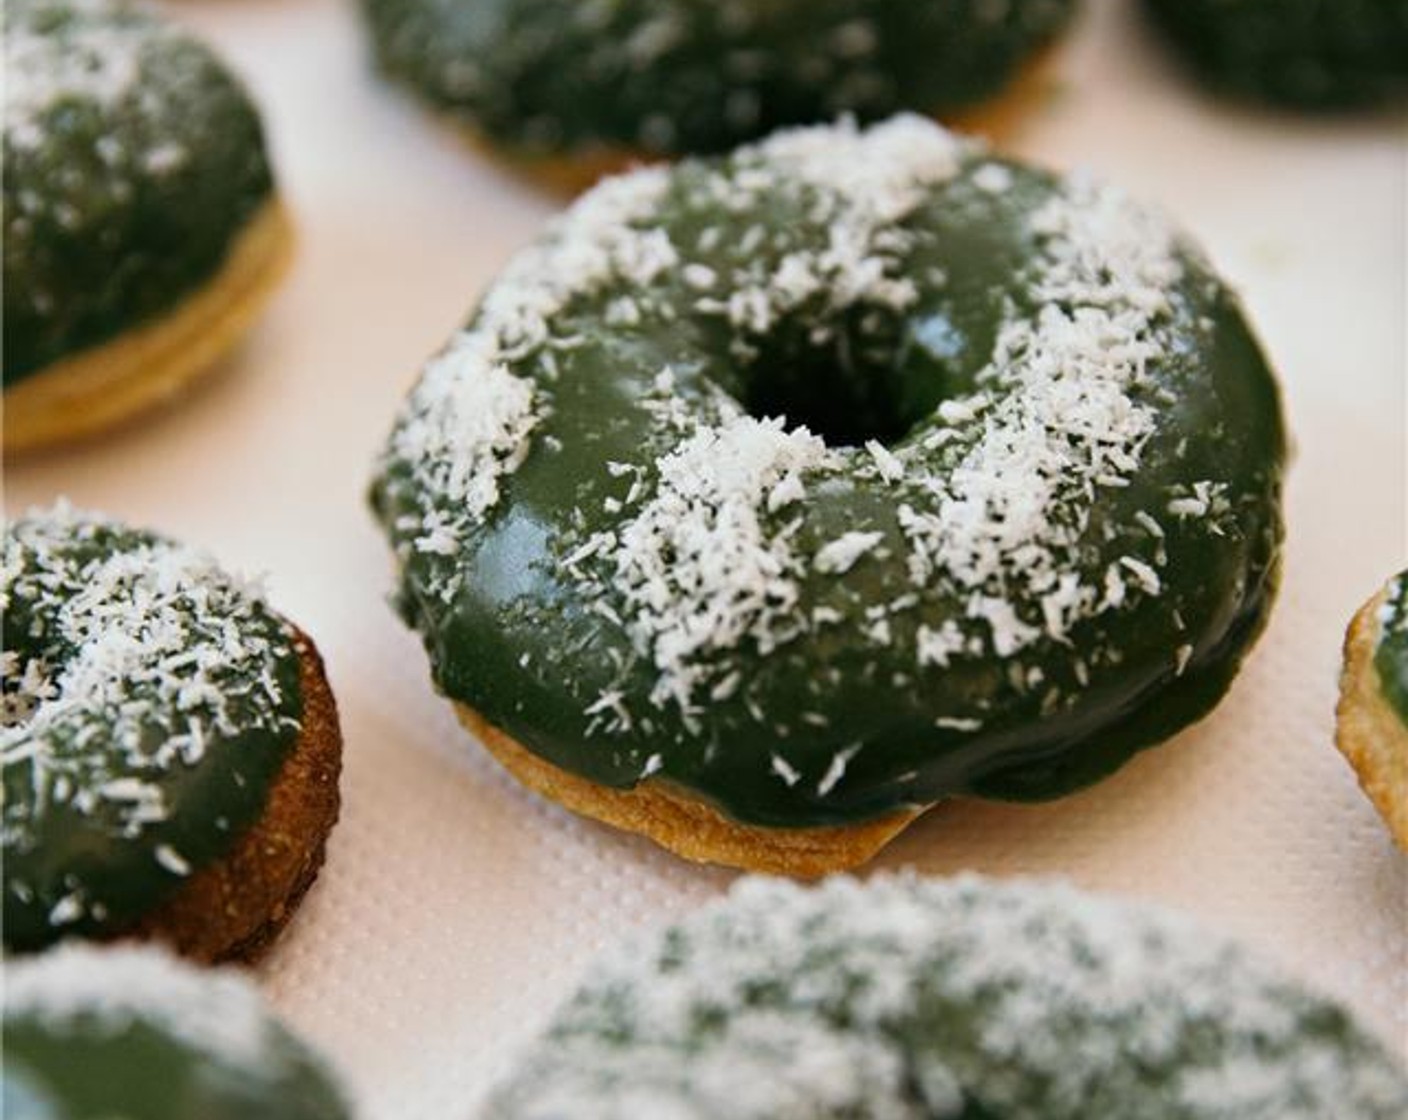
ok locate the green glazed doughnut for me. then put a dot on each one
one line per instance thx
(165, 737)
(672, 77)
(1372, 715)
(852, 472)
(966, 999)
(132, 1033)
(135, 179)
(1310, 54)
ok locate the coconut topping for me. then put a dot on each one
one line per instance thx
(124, 655)
(95, 63)
(695, 567)
(678, 76)
(103, 104)
(712, 549)
(911, 999)
(468, 421)
(216, 1012)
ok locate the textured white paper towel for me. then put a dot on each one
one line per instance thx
(456, 909)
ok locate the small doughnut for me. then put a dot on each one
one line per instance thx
(570, 91)
(96, 1034)
(769, 500)
(907, 999)
(1372, 716)
(170, 745)
(143, 232)
(1306, 54)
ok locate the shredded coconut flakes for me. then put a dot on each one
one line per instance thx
(700, 557)
(216, 1012)
(133, 656)
(912, 999)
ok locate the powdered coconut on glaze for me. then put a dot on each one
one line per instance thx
(468, 421)
(912, 999)
(98, 65)
(214, 1011)
(147, 651)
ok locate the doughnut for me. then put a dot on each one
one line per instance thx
(569, 91)
(906, 999)
(143, 232)
(1305, 54)
(768, 500)
(170, 745)
(93, 1034)
(1372, 715)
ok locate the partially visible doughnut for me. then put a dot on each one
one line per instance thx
(778, 497)
(570, 91)
(966, 999)
(170, 745)
(1305, 54)
(1372, 715)
(143, 232)
(93, 1034)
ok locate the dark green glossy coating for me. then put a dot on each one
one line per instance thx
(1391, 654)
(124, 189)
(670, 77)
(81, 856)
(145, 1074)
(187, 1046)
(520, 641)
(1308, 54)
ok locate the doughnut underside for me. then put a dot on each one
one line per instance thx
(1369, 732)
(688, 826)
(105, 385)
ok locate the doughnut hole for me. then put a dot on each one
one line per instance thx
(865, 375)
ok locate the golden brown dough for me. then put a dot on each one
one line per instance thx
(689, 827)
(1369, 731)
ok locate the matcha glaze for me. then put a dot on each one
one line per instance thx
(1305, 54)
(1031, 524)
(668, 77)
(962, 999)
(1391, 653)
(95, 1034)
(150, 700)
(133, 159)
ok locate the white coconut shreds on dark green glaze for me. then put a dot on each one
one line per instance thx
(669, 77)
(95, 1034)
(962, 999)
(852, 472)
(150, 699)
(133, 159)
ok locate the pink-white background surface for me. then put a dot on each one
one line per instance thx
(456, 909)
